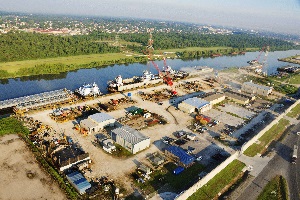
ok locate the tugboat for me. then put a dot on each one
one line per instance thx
(147, 76)
(88, 90)
(112, 86)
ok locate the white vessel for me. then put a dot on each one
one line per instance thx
(89, 90)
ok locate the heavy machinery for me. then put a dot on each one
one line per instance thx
(263, 49)
(166, 77)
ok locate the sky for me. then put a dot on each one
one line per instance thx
(281, 16)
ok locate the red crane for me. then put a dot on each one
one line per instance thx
(263, 49)
(166, 78)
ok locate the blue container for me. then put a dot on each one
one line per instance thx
(178, 170)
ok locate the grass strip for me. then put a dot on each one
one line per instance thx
(276, 189)
(218, 182)
(272, 134)
(294, 113)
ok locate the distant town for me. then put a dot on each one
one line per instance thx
(67, 25)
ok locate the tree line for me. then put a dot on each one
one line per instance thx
(183, 40)
(25, 46)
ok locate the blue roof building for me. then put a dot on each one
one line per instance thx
(79, 182)
(180, 156)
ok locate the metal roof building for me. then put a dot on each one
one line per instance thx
(36, 100)
(94, 123)
(79, 182)
(180, 156)
(194, 105)
(215, 98)
(131, 139)
(252, 88)
(239, 98)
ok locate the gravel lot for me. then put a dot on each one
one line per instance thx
(224, 117)
(104, 164)
(242, 112)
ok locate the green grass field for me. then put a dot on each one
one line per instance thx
(295, 79)
(166, 176)
(267, 138)
(276, 189)
(11, 125)
(216, 184)
(12, 67)
(294, 113)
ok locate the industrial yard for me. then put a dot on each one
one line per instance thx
(141, 140)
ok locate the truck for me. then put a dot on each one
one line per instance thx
(295, 152)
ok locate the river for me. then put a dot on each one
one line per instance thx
(17, 87)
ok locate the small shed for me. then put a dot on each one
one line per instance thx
(178, 170)
(79, 182)
(108, 145)
(180, 156)
(145, 169)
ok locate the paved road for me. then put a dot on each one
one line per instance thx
(279, 165)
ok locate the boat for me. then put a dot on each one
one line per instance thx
(120, 84)
(88, 90)
(174, 74)
(252, 62)
(288, 69)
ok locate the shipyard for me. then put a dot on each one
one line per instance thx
(148, 101)
(186, 121)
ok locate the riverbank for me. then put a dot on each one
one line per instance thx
(292, 59)
(65, 64)
(71, 63)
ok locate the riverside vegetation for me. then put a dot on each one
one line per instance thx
(24, 54)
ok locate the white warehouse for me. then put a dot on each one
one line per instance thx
(194, 105)
(94, 123)
(130, 139)
(252, 88)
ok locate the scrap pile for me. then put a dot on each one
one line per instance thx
(139, 118)
(190, 86)
(65, 114)
(156, 96)
(115, 104)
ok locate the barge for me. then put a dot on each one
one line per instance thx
(120, 84)
(289, 69)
